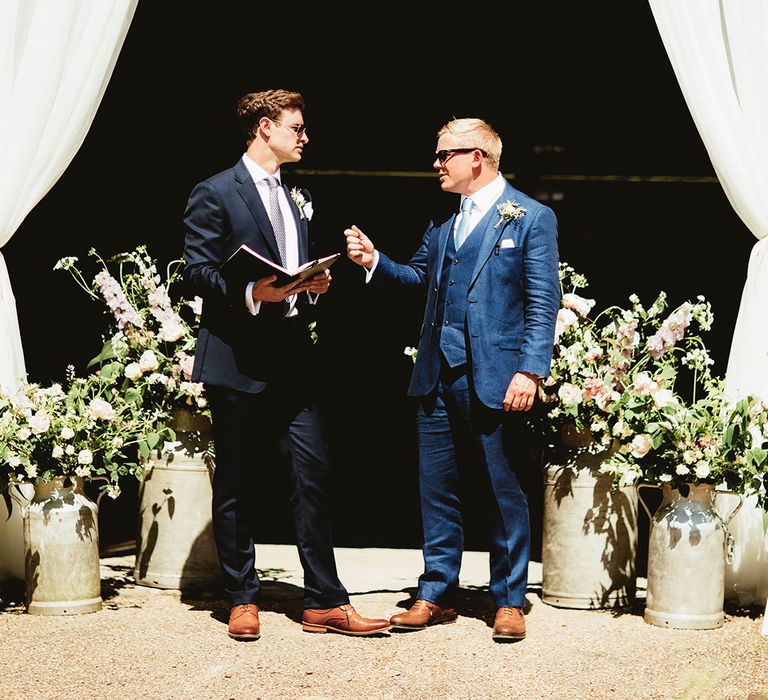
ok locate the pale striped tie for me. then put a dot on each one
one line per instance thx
(462, 230)
(276, 217)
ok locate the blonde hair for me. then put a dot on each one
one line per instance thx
(475, 133)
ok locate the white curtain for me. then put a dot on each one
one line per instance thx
(719, 52)
(56, 58)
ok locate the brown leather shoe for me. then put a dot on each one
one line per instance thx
(422, 614)
(344, 620)
(509, 624)
(244, 622)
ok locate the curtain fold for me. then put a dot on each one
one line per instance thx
(719, 53)
(56, 59)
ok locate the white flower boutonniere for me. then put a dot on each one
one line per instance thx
(510, 211)
(305, 207)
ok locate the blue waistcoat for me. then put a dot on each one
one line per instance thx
(452, 300)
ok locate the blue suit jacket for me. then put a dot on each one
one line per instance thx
(513, 298)
(234, 348)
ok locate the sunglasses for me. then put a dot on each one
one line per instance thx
(297, 129)
(443, 155)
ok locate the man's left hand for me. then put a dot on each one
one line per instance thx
(318, 284)
(521, 392)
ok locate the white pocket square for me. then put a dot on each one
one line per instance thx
(507, 243)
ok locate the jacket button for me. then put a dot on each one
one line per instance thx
(455, 261)
(450, 283)
(448, 303)
(433, 324)
(445, 323)
(435, 290)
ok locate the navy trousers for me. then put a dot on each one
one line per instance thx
(248, 430)
(452, 421)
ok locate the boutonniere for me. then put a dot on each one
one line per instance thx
(510, 211)
(304, 207)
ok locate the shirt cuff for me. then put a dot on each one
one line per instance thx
(250, 303)
(369, 271)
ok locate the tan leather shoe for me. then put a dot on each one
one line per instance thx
(244, 622)
(344, 620)
(422, 614)
(509, 624)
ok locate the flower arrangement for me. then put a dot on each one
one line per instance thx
(86, 429)
(149, 344)
(603, 364)
(300, 200)
(615, 382)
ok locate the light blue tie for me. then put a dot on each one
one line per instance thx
(462, 230)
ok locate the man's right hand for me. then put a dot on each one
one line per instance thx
(359, 247)
(263, 290)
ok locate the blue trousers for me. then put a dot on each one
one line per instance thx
(451, 421)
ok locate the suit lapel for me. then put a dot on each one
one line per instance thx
(247, 190)
(491, 233)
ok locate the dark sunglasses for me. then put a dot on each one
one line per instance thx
(442, 156)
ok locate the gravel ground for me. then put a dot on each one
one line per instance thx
(150, 643)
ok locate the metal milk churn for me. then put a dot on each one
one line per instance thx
(61, 542)
(687, 551)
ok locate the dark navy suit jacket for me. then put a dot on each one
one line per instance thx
(235, 349)
(513, 297)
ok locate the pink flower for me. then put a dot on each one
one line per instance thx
(593, 354)
(116, 300)
(569, 394)
(186, 362)
(671, 331)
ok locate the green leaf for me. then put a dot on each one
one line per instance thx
(107, 353)
(152, 440)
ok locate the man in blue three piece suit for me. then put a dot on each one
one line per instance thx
(491, 276)
(255, 356)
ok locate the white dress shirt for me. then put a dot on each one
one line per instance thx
(260, 176)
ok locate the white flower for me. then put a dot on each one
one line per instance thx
(102, 409)
(196, 305)
(117, 443)
(84, 457)
(57, 452)
(565, 320)
(664, 397)
(569, 394)
(304, 207)
(171, 331)
(664, 478)
(148, 361)
(14, 460)
(67, 433)
(643, 384)
(83, 471)
(31, 471)
(509, 211)
(133, 371)
(24, 433)
(682, 470)
(39, 423)
(579, 304)
(702, 469)
(641, 445)
(69, 449)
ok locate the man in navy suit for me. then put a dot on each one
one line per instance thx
(254, 354)
(490, 272)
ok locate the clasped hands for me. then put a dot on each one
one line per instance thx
(263, 289)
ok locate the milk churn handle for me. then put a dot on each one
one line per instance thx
(101, 495)
(729, 540)
(642, 502)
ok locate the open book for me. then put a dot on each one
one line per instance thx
(246, 265)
